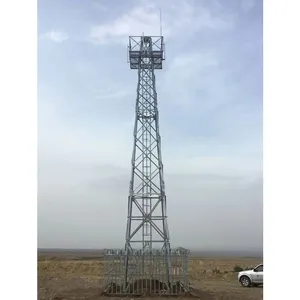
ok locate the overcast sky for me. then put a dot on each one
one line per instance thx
(210, 102)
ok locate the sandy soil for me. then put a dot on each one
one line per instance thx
(210, 278)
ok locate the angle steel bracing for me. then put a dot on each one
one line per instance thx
(147, 226)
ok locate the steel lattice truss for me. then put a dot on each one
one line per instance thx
(153, 268)
(147, 221)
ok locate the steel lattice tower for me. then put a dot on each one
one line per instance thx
(147, 226)
(148, 266)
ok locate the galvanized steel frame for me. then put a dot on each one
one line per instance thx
(147, 187)
(154, 268)
(146, 273)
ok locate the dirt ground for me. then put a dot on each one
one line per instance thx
(62, 278)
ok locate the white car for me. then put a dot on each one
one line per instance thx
(252, 277)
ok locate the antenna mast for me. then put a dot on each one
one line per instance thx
(160, 22)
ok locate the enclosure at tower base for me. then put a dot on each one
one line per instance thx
(146, 273)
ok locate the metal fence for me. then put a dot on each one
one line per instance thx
(147, 273)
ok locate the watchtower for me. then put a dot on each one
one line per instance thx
(147, 262)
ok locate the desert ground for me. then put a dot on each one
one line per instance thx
(74, 276)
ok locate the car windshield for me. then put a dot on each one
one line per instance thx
(259, 268)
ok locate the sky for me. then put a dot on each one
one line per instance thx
(210, 108)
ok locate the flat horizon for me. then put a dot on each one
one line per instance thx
(195, 251)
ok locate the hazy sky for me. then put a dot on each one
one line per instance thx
(210, 102)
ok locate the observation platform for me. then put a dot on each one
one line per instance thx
(146, 52)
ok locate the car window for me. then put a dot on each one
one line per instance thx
(260, 268)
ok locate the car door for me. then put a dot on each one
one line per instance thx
(258, 274)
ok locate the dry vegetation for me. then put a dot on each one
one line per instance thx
(62, 277)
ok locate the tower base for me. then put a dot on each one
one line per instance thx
(146, 273)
